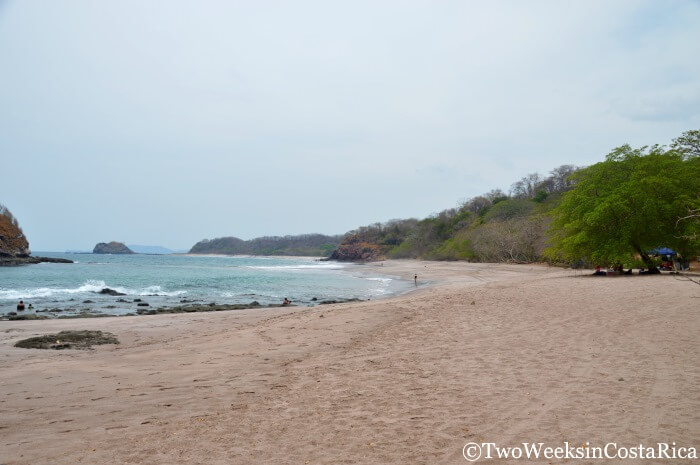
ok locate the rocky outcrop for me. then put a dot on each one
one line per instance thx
(355, 249)
(108, 291)
(112, 247)
(29, 260)
(14, 246)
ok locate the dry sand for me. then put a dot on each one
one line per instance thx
(488, 353)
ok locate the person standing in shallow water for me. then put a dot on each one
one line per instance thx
(20, 305)
(415, 279)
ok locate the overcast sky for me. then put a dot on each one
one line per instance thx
(166, 122)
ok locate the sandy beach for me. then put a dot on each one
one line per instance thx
(483, 353)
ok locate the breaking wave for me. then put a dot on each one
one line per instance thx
(381, 280)
(329, 266)
(90, 286)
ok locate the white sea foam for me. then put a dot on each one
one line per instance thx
(330, 266)
(157, 290)
(90, 286)
(382, 280)
(381, 291)
(246, 294)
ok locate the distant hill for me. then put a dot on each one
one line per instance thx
(313, 245)
(151, 249)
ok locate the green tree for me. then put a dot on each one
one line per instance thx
(541, 196)
(688, 144)
(627, 205)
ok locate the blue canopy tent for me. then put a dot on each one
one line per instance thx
(662, 251)
(673, 261)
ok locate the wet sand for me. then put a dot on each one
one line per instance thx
(484, 353)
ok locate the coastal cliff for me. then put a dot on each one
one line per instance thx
(14, 246)
(113, 247)
(13, 242)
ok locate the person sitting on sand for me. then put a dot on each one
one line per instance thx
(598, 272)
(286, 301)
(20, 306)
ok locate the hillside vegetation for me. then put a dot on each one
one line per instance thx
(312, 245)
(492, 227)
(608, 213)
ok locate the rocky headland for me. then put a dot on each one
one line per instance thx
(355, 248)
(14, 246)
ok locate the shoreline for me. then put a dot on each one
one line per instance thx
(485, 353)
(113, 298)
(311, 257)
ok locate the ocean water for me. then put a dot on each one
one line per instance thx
(172, 280)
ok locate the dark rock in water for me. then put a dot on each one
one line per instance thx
(6, 260)
(113, 247)
(254, 303)
(338, 301)
(137, 300)
(142, 304)
(88, 302)
(109, 291)
(29, 316)
(146, 312)
(52, 260)
(12, 314)
(314, 299)
(123, 301)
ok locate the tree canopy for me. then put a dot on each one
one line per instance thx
(632, 202)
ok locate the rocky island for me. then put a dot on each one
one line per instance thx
(14, 246)
(113, 247)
